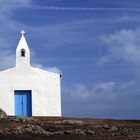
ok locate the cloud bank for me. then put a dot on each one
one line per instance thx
(102, 100)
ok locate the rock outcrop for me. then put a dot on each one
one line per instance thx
(60, 127)
(2, 113)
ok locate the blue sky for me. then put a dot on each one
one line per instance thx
(95, 44)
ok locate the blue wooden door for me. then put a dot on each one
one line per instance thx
(23, 104)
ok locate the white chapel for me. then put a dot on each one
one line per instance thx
(29, 91)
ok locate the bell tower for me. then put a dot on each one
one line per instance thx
(22, 52)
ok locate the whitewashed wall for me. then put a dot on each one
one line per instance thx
(45, 87)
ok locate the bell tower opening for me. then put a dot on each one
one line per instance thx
(22, 52)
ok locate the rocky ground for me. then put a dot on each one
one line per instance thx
(67, 128)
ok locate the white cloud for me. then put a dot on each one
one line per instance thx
(103, 60)
(123, 45)
(6, 60)
(7, 2)
(52, 69)
(6, 6)
(85, 92)
(80, 8)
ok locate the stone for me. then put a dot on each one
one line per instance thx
(72, 122)
(2, 113)
(30, 129)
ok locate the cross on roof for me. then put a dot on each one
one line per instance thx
(22, 32)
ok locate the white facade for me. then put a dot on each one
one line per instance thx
(44, 85)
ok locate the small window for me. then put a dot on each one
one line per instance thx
(22, 52)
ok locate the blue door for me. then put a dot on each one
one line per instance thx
(23, 104)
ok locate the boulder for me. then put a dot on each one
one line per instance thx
(2, 113)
